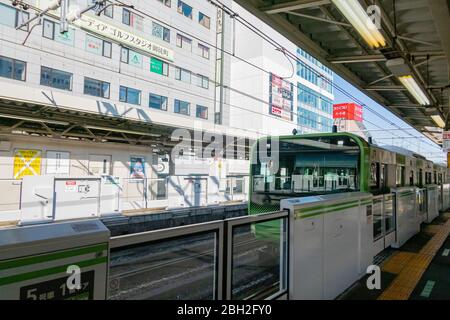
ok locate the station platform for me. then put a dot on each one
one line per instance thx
(419, 270)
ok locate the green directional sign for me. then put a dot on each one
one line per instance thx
(156, 66)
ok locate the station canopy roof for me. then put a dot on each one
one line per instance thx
(417, 44)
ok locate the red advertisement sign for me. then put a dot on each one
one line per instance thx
(348, 111)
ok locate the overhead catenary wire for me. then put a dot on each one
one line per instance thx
(256, 66)
(257, 31)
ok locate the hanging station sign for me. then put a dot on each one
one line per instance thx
(126, 38)
(281, 98)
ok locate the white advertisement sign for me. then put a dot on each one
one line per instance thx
(121, 36)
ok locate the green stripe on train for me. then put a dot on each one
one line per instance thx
(20, 262)
(50, 271)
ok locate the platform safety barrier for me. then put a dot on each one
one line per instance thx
(238, 258)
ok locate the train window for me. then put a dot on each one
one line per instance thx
(383, 175)
(374, 174)
(400, 176)
(305, 167)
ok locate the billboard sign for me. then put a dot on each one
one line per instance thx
(281, 98)
(348, 111)
(446, 140)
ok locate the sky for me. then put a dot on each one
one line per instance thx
(385, 133)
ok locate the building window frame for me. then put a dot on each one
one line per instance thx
(13, 69)
(179, 72)
(182, 7)
(206, 21)
(198, 115)
(44, 33)
(165, 32)
(127, 90)
(102, 83)
(51, 71)
(179, 104)
(202, 81)
(204, 51)
(163, 101)
(184, 42)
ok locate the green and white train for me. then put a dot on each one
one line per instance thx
(333, 163)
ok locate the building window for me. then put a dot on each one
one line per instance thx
(204, 51)
(56, 78)
(182, 107)
(12, 17)
(124, 55)
(160, 32)
(157, 102)
(183, 75)
(126, 17)
(202, 81)
(201, 112)
(131, 57)
(109, 10)
(130, 95)
(13, 69)
(48, 29)
(184, 42)
(159, 66)
(133, 20)
(184, 9)
(98, 46)
(166, 2)
(204, 20)
(96, 88)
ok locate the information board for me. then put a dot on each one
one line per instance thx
(281, 97)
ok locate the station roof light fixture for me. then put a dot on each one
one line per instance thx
(414, 89)
(438, 120)
(360, 20)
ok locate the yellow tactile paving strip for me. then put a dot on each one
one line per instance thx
(411, 266)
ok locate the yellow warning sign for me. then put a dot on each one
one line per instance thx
(27, 163)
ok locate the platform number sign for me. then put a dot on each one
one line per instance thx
(56, 289)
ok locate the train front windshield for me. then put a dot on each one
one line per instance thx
(306, 167)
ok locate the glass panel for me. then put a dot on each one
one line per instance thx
(56, 78)
(6, 67)
(182, 268)
(123, 94)
(182, 107)
(48, 29)
(107, 47)
(126, 17)
(8, 16)
(389, 214)
(19, 70)
(133, 96)
(93, 87)
(377, 218)
(259, 265)
(202, 112)
(184, 9)
(305, 167)
(124, 55)
(158, 102)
